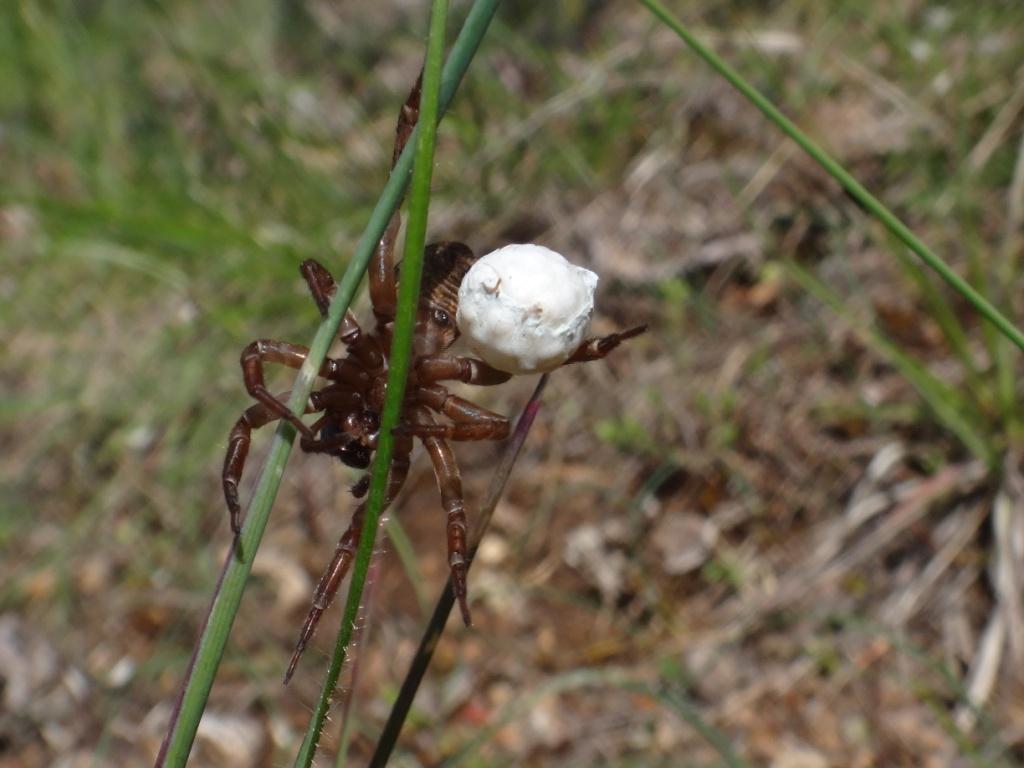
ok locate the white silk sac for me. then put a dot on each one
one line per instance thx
(525, 309)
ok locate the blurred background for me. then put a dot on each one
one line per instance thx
(790, 517)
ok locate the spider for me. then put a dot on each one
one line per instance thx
(349, 405)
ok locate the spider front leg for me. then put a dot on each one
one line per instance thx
(345, 552)
(239, 441)
(322, 287)
(292, 355)
(270, 408)
(383, 289)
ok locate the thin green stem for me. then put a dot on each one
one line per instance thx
(361, 636)
(213, 637)
(398, 371)
(834, 169)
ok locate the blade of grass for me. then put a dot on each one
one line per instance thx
(398, 370)
(360, 637)
(425, 652)
(943, 399)
(402, 545)
(199, 676)
(1008, 268)
(942, 311)
(836, 171)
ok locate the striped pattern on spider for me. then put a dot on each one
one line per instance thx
(349, 405)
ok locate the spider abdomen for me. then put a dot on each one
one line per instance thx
(444, 266)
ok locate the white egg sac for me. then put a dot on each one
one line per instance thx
(525, 309)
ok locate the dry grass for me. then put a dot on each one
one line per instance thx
(750, 505)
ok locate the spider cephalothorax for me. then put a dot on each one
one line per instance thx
(349, 405)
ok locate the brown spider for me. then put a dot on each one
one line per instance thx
(351, 402)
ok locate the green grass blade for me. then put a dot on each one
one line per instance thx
(403, 548)
(836, 171)
(398, 370)
(425, 652)
(361, 636)
(228, 595)
(942, 311)
(1006, 370)
(947, 404)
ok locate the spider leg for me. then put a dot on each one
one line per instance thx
(449, 483)
(239, 441)
(469, 370)
(472, 421)
(345, 552)
(322, 286)
(383, 293)
(595, 349)
(292, 355)
(336, 397)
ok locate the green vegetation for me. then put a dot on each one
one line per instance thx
(828, 429)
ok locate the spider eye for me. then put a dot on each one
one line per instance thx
(441, 317)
